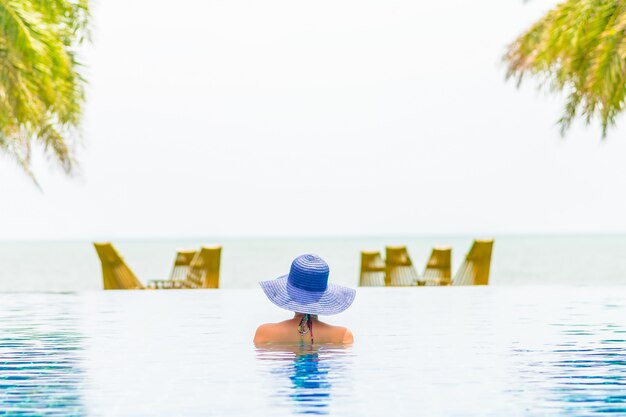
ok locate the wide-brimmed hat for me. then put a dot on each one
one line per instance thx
(306, 289)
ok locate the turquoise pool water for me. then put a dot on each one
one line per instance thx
(493, 351)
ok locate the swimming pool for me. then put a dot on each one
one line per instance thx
(490, 351)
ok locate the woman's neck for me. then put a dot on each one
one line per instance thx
(300, 315)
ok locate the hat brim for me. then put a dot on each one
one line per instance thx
(334, 300)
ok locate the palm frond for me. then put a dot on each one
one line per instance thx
(41, 88)
(578, 48)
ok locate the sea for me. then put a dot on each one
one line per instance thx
(61, 266)
(545, 338)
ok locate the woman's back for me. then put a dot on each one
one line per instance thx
(287, 332)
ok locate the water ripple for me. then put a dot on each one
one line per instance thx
(456, 352)
(40, 369)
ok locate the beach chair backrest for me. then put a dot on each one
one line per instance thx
(204, 271)
(372, 269)
(116, 275)
(182, 263)
(438, 269)
(399, 267)
(475, 270)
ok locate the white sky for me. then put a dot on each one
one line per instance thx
(326, 117)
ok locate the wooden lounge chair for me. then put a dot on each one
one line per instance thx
(399, 268)
(372, 269)
(179, 271)
(182, 263)
(475, 269)
(438, 270)
(116, 275)
(204, 271)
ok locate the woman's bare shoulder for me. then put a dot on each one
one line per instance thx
(285, 331)
(263, 333)
(338, 334)
(348, 338)
(268, 332)
(345, 335)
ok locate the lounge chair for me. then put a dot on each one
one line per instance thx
(182, 263)
(204, 271)
(372, 269)
(475, 269)
(399, 268)
(179, 271)
(116, 275)
(438, 270)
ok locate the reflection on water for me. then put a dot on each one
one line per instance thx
(589, 378)
(583, 374)
(471, 352)
(309, 378)
(312, 371)
(40, 373)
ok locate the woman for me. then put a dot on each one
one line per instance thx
(306, 292)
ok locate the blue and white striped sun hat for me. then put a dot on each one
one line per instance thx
(306, 289)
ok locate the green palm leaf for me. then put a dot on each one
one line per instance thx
(41, 89)
(578, 48)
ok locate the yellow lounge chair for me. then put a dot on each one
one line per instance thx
(181, 264)
(475, 269)
(372, 269)
(116, 275)
(204, 271)
(399, 268)
(438, 269)
(179, 271)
